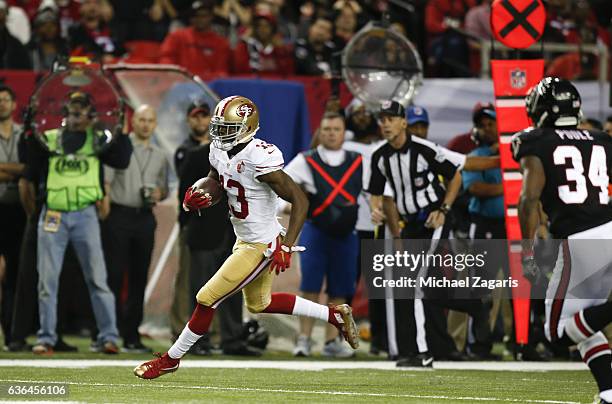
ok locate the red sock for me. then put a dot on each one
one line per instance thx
(200, 319)
(282, 303)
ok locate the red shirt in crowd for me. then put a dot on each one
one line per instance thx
(438, 12)
(69, 14)
(29, 6)
(250, 56)
(569, 66)
(203, 53)
(462, 143)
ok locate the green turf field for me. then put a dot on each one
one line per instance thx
(111, 384)
(271, 385)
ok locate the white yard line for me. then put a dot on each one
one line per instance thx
(298, 365)
(287, 391)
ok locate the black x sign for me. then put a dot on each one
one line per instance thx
(520, 18)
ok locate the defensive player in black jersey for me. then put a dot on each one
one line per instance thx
(568, 170)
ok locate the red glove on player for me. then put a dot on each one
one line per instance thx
(281, 257)
(195, 199)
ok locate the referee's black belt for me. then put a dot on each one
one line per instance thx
(419, 217)
(130, 209)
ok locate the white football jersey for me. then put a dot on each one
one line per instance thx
(252, 203)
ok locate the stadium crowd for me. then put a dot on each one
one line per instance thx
(262, 37)
(216, 38)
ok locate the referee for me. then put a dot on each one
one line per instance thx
(412, 167)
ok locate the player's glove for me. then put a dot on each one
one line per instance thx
(281, 257)
(195, 199)
(531, 270)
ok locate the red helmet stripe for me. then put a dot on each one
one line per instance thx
(225, 102)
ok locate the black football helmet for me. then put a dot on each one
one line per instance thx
(553, 102)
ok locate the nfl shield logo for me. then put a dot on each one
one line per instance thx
(518, 78)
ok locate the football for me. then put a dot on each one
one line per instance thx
(209, 186)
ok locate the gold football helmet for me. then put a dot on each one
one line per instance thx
(234, 121)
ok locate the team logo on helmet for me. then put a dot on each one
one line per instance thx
(386, 104)
(245, 110)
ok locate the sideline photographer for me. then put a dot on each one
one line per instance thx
(69, 177)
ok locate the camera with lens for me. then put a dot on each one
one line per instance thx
(147, 196)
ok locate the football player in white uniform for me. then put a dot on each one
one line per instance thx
(250, 172)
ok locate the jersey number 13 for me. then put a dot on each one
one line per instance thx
(241, 198)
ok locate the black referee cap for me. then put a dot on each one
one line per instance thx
(392, 108)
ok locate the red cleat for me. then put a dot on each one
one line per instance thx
(343, 314)
(159, 366)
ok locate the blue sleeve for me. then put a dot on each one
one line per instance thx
(470, 177)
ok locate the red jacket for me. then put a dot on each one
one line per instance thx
(250, 57)
(569, 66)
(462, 143)
(206, 54)
(437, 10)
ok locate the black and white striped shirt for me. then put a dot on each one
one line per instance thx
(413, 172)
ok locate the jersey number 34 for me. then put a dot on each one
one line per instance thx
(597, 174)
